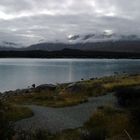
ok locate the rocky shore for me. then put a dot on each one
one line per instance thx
(26, 91)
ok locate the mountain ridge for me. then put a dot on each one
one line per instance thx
(121, 43)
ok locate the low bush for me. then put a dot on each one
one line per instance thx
(129, 99)
(6, 127)
(107, 122)
(128, 96)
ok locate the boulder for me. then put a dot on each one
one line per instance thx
(73, 88)
(45, 87)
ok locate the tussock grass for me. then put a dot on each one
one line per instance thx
(63, 96)
(14, 112)
(108, 122)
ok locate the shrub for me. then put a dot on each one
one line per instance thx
(33, 135)
(129, 96)
(106, 122)
(6, 127)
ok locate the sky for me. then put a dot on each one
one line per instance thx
(31, 21)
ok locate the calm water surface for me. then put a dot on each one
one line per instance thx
(21, 73)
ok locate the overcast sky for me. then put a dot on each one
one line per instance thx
(30, 21)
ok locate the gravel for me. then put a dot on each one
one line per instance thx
(58, 119)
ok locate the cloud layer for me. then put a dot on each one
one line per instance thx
(30, 21)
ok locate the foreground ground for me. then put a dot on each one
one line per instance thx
(58, 119)
(85, 107)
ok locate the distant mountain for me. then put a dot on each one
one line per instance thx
(7, 46)
(47, 46)
(105, 42)
(115, 46)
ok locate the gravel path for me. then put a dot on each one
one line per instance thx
(57, 119)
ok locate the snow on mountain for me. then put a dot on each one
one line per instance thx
(101, 37)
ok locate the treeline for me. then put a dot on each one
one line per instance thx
(67, 53)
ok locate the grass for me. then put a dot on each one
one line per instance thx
(47, 99)
(129, 99)
(73, 134)
(14, 112)
(63, 96)
(10, 113)
(107, 122)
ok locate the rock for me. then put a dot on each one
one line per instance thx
(73, 88)
(45, 87)
(16, 92)
(92, 78)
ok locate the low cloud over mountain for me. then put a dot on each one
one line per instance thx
(29, 21)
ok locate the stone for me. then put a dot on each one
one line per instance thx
(73, 88)
(46, 87)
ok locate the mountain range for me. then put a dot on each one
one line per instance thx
(95, 42)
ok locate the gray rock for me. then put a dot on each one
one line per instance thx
(45, 87)
(74, 87)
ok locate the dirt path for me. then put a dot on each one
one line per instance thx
(57, 119)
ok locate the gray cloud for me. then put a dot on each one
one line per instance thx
(29, 21)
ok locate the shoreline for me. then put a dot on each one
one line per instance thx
(115, 58)
(32, 89)
(24, 91)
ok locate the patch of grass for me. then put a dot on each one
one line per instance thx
(72, 134)
(49, 99)
(107, 122)
(129, 99)
(33, 135)
(6, 128)
(14, 112)
(122, 81)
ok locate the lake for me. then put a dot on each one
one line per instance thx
(21, 73)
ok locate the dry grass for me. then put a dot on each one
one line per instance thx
(15, 113)
(108, 122)
(62, 97)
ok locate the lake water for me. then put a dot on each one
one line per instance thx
(21, 73)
